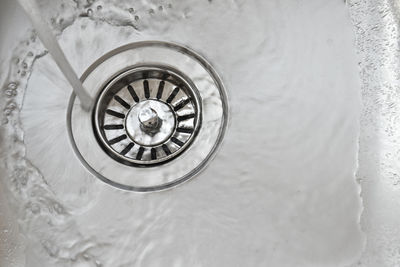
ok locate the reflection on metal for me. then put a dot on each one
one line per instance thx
(152, 121)
(160, 115)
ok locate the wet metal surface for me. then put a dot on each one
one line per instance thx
(282, 191)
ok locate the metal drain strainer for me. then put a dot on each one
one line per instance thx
(147, 115)
(160, 115)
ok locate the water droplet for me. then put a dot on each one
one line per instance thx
(99, 7)
(33, 36)
(12, 86)
(23, 180)
(8, 93)
(25, 65)
(151, 11)
(51, 249)
(30, 54)
(89, 12)
(131, 10)
(136, 18)
(58, 208)
(35, 208)
(11, 106)
(187, 12)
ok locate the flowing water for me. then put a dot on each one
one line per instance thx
(282, 190)
(50, 42)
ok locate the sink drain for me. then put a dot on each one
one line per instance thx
(147, 115)
(159, 117)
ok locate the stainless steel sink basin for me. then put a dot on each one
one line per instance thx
(301, 170)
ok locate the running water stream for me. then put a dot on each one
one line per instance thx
(49, 41)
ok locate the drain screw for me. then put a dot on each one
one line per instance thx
(150, 123)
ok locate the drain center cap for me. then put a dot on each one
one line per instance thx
(150, 122)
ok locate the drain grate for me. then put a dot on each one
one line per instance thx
(147, 115)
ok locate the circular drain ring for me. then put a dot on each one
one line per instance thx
(116, 115)
(193, 159)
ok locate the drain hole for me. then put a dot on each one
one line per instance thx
(113, 127)
(146, 89)
(184, 130)
(173, 94)
(133, 93)
(140, 153)
(177, 141)
(186, 117)
(153, 154)
(166, 149)
(117, 139)
(115, 114)
(160, 89)
(127, 149)
(181, 104)
(122, 102)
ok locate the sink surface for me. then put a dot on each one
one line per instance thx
(306, 174)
